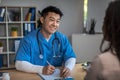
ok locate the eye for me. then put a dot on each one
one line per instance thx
(54, 20)
(58, 21)
(51, 19)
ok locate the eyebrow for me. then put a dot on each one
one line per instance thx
(54, 18)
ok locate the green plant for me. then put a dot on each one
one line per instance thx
(14, 29)
(0, 44)
(93, 22)
(92, 26)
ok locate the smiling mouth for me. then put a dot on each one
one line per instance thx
(53, 28)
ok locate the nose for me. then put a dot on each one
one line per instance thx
(55, 23)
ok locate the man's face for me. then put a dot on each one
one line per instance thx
(50, 22)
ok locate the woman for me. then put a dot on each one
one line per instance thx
(106, 66)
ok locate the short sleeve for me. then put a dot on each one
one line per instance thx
(23, 53)
(67, 49)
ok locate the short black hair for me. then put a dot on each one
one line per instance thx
(54, 9)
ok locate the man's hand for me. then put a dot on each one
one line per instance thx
(48, 70)
(65, 72)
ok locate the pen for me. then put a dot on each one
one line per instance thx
(48, 63)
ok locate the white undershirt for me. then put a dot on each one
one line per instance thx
(28, 67)
(47, 39)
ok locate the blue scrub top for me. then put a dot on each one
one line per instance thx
(29, 49)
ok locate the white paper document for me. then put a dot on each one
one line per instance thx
(54, 76)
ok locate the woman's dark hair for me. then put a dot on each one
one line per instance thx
(51, 9)
(111, 28)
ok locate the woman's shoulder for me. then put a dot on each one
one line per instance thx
(105, 59)
(110, 65)
(107, 55)
(108, 60)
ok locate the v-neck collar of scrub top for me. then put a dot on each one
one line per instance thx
(41, 38)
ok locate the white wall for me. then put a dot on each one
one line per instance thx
(86, 46)
(72, 21)
(96, 9)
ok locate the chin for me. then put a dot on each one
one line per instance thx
(52, 32)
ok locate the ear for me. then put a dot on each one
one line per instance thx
(41, 19)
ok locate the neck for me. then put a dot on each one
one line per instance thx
(45, 34)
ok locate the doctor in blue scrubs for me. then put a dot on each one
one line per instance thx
(45, 48)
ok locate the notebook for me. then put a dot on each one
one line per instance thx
(54, 76)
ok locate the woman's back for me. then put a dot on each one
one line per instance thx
(110, 66)
(104, 67)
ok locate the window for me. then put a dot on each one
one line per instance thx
(85, 12)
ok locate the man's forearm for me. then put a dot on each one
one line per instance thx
(28, 67)
(70, 63)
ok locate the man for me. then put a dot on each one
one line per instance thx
(45, 48)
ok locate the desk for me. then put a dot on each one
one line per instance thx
(78, 74)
